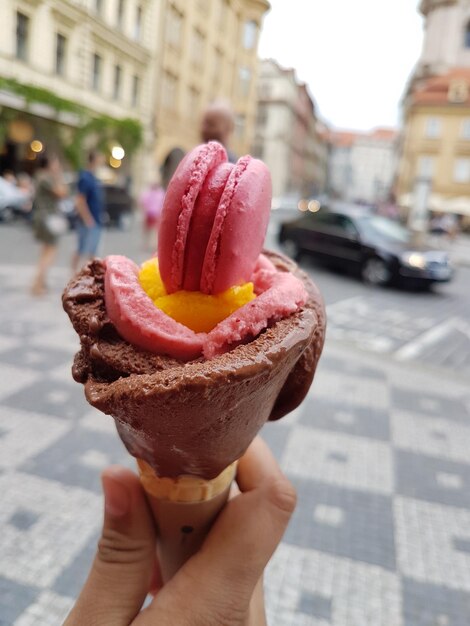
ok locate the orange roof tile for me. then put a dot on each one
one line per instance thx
(343, 138)
(384, 133)
(435, 89)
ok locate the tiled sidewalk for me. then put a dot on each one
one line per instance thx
(378, 453)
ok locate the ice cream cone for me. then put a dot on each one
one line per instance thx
(184, 508)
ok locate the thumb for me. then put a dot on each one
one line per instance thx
(122, 570)
(226, 570)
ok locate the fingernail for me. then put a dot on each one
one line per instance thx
(116, 497)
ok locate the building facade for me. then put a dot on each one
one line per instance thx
(209, 52)
(363, 165)
(288, 136)
(436, 143)
(95, 53)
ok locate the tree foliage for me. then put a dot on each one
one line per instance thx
(101, 130)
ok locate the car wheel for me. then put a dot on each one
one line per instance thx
(291, 249)
(375, 272)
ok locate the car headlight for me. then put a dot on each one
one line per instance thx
(414, 259)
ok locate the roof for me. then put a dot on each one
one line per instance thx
(435, 89)
(343, 138)
(347, 138)
(384, 133)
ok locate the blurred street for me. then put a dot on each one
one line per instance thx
(378, 453)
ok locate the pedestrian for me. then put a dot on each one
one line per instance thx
(151, 203)
(89, 205)
(217, 124)
(48, 221)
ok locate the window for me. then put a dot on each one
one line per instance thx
(218, 62)
(262, 115)
(117, 82)
(433, 128)
(223, 14)
(240, 123)
(96, 76)
(250, 34)
(169, 88)
(135, 90)
(139, 15)
(244, 81)
(426, 166)
(458, 91)
(466, 129)
(120, 13)
(197, 52)
(60, 51)
(217, 69)
(173, 27)
(467, 36)
(462, 171)
(22, 35)
(193, 103)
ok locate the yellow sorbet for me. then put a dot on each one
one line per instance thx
(196, 310)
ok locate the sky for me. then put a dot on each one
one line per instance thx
(355, 55)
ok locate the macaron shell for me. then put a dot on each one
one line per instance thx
(178, 208)
(138, 320)
(283, 294)
(202, 221)
(239, 227)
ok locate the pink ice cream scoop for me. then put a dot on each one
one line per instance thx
(213, 227)
(142, 324)
(214, 221)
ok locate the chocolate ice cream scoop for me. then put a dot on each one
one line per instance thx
(193, 417)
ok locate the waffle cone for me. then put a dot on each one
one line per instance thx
(184, 489)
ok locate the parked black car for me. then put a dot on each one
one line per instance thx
(378, 249)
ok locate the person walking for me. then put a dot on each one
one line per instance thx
(89, 205)
(48, 222)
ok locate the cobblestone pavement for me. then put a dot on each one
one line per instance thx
(378, 453)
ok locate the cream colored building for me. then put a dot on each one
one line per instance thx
(209, 52)
(436, 143)
(97, 53)
(289, 137)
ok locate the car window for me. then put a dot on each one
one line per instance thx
(346, 224)
(333, 221)
(383, 227)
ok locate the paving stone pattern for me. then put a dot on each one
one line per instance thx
(378, 453)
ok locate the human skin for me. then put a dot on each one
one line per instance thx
(221, 585)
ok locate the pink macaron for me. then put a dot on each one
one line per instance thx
(214, 221)
(178, 208)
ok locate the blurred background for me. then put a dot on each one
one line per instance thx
(362, 112)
